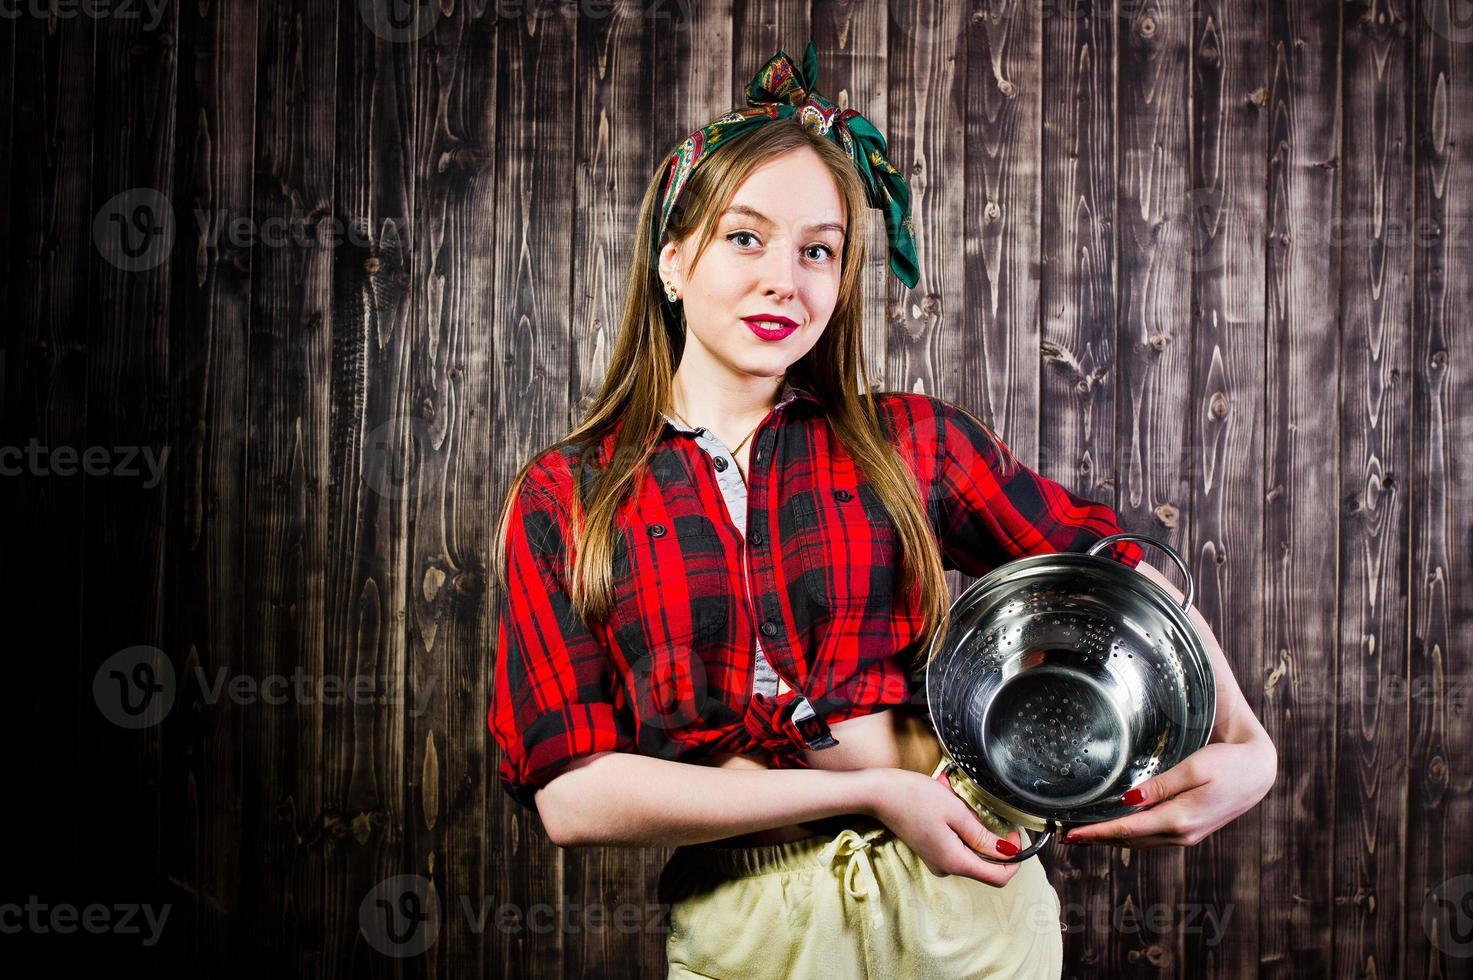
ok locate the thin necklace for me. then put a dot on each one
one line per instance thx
(739, 445)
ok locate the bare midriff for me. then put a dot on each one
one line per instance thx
(898, 738)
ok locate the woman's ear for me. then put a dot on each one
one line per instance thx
(670, 266)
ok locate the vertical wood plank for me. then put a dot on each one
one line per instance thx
(1225, 213)
(45, 382)
(1375, 413)
(288, 464)
(759, 29)
(1440, 774)
(447, 485)
(1077, 382)
(691, 59)
(533, 340)
(614, 157)
(851, 55)
(1155, 368)
(1003, 138)
(223, 803)
(127, 399)
(924, 343)
(1301, 377)
(365, 758)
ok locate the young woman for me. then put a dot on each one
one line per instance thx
(717, 593)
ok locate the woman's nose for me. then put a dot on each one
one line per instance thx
(780, 273)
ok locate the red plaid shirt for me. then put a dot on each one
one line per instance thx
(710, 611)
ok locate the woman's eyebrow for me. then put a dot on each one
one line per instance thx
(758, 216)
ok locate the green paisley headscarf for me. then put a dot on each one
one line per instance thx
(781, 90)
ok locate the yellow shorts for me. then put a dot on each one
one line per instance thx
(858, 903)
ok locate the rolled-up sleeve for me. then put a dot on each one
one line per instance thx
(555, 692)
(990, 509)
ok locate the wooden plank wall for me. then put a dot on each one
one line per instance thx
(1207, 260)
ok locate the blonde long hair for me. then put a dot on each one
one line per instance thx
(639, 381)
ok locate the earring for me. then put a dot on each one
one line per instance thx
(670, 293)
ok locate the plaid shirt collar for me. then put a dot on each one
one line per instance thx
(789, 393)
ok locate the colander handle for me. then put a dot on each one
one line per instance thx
(947, 767)
(1186, 605)
(1025, 853)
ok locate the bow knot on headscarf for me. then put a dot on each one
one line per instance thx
(782, 90)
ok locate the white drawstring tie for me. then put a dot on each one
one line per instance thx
(859, 872)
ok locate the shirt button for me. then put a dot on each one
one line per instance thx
(769, 628)
(843, 494)
(720, 463)
(757, 538)
(658, 530)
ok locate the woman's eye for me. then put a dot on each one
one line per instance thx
(748, 235)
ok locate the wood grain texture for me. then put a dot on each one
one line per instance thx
(1155, 333)
(1205, 262)
(1077, 383)
(852, 36)
(534, 343)
(1301, 379)
(366, 759)
(289, 531)
(1225, 208)
(1439, 790)
(128, 394)
(447, 465)
(223, 525)
(1374, 454)
(1002, 132)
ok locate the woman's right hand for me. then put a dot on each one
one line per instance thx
(939, 826)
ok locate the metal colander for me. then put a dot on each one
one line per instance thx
(1065, 680)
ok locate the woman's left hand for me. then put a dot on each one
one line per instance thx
(1208, 789)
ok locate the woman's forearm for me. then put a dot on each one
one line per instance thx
(623, 799)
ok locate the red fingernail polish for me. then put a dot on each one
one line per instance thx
(1007, 848)
(1133, 798)
(1070, 839)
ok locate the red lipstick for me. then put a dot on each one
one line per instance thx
(770, 326)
